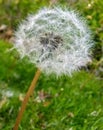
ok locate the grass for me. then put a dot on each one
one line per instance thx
(66, 103)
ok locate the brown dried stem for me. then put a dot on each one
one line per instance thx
(25, 101)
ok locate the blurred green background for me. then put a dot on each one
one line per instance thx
(66, 103)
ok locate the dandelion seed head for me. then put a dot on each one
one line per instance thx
(55, 40)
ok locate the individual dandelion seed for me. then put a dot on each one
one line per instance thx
(56, 41)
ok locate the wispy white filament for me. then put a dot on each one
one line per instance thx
(48, 24)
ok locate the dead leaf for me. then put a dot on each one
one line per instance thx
(3, 27)
(46, 104)
(2, 102)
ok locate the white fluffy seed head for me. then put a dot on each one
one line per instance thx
(55, 40)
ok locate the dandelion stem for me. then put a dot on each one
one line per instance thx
(24, 103)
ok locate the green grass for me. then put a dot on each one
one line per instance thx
(66, 103)
(69, 103)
